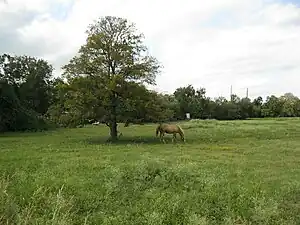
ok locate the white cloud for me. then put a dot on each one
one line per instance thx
(212, 44)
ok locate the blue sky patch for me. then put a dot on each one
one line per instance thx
(61, 11)
(222, 18)
(296, 2)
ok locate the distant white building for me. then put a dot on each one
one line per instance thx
(188, 116)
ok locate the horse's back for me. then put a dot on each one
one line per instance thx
(170, 128)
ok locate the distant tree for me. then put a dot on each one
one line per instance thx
(115, 54)
(258, 101)
(9, 106)
(25, 92)
(210, 109)
(272, 107)
(234, 98)
(290, 105)
(31, 79)
(227, 110)
(192, 101)
(246, 108)
(159, 108)
(257, 107)
(172, 104)
(184, 96)
(13, 115)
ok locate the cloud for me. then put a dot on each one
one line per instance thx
(214, 44)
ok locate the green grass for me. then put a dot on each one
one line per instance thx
(230, 172)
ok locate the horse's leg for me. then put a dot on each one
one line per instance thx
(174, 137)
(162, 136)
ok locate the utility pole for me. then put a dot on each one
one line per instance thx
(230, 92)
(247, 93)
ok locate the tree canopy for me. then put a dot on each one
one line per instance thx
(25, 92)
(115, 56)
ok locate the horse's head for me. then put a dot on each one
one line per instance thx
(183, 139)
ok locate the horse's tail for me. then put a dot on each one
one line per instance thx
(181, 132)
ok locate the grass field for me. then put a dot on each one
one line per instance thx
(239, 172)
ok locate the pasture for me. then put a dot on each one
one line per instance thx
(227, 172)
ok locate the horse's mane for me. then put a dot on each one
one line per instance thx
(181, 130)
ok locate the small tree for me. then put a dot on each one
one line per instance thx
(115, 54)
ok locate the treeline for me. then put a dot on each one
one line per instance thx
(105, 82)
(30, 98)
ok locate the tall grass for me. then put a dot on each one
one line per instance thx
(41, 207)
(237, 172)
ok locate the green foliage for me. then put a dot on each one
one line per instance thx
(228, 172)
(115, 54)
(76, 102)
(25, 92)
(13, 115)
(83, 100)
(31, 79)
(30, 97)
(202, 107)
(192, 101)
(106, 82)
(9, 106)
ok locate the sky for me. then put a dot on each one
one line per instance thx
(214, 44)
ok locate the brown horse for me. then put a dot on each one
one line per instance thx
(169, 129)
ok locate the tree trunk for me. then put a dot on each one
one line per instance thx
(113, 130)
(113, 122)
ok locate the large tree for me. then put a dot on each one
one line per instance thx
(80, 101)
(114, 53)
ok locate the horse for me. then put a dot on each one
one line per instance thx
(169, 129)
